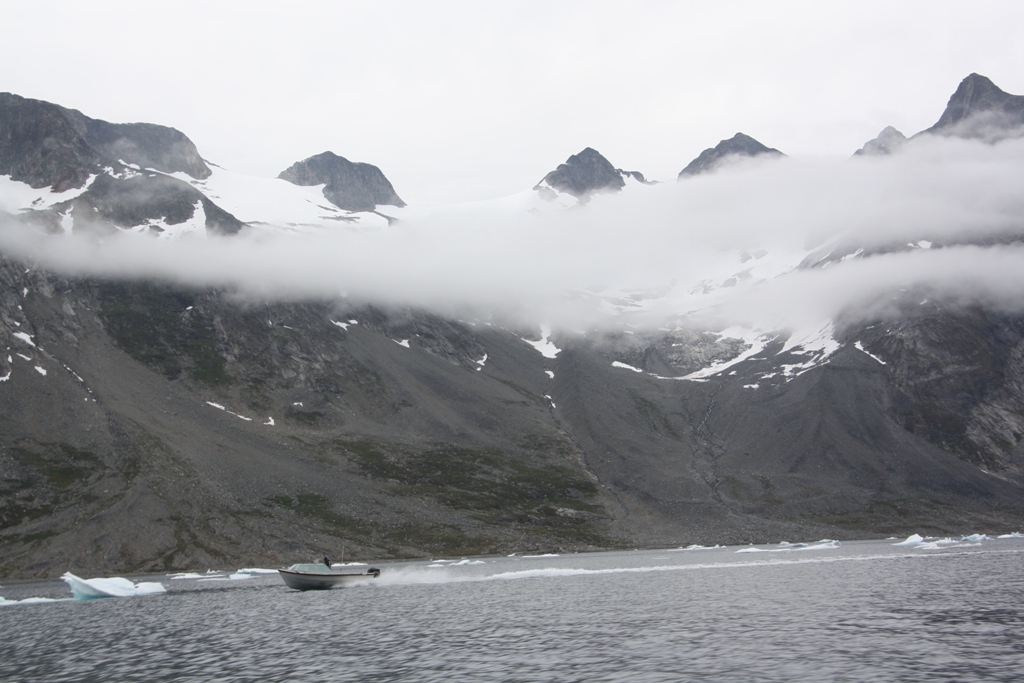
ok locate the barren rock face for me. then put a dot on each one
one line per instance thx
(46, 145)
(584, 173)
(738, 145)
(347, 185)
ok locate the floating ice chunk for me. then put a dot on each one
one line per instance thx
(116, 587)
(785, 547)
(912, 540)
(975, 538)
(184, 575)
(544, 555)
(4, 602)
(617, 364)
(1015, 534)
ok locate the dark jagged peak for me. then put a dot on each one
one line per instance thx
(46, 145)
(887, 142)
(738, 145)
(979, 109)
(583, 174)
(353, 186)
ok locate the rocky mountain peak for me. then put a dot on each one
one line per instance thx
(741, 145)
(353, 186)
(887, 142)
(46, 145)
(583, 174)
(977, 107)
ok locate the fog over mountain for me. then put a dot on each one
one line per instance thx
(203, 367)
(496, 259)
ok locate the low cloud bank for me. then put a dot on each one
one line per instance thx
(717, 249)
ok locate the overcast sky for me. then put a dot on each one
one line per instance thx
(457, 101)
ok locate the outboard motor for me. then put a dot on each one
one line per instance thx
(374, 571)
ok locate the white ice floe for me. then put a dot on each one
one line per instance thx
(545, 346)
(860, 347)
(4, 602)
(785, 547)
(1015, 534)
(911, 541)
(618, 364)
(116, 587)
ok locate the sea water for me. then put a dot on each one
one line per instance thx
(927, 610)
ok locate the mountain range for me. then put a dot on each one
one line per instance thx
(151, 425)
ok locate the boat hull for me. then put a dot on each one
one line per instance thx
(304, 581)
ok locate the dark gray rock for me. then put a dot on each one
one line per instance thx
(739, 145)
(148, 443)
(585, 173)
(137, 199)
(980, 109)
(46, 145)
(887, 142)
(353, 186)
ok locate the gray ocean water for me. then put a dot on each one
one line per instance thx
(856, 611)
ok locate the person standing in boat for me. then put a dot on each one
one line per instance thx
(327, 561)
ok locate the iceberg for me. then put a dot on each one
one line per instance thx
(912, 540)
(92, 589)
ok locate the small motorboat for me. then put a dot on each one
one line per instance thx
(318, 576)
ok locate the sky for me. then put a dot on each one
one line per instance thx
(460, 101)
